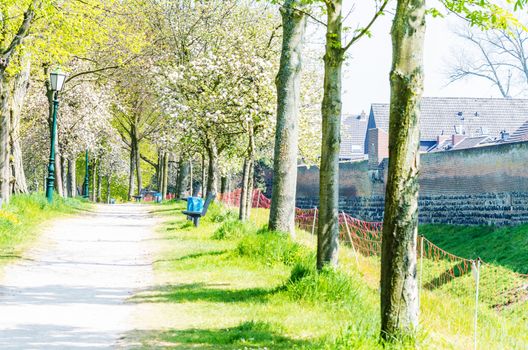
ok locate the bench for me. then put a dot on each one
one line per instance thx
(138, 198)
(196, 215)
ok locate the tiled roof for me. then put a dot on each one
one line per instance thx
(520, 134)
(471, 142)
(440, 116)
(353, 132)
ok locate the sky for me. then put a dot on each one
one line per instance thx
(366, 74)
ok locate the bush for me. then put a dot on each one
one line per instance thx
(272, 248)
(233, 228)
(327, 285)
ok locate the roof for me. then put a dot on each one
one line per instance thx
(353, 132)
(477, 116)
(471, 142)
(520, 134)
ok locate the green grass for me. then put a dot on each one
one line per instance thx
(506, 246)
(228, 285)
(21, 219)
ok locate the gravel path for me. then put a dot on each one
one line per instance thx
(69, 291)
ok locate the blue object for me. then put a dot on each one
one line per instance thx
(157, 197)
(194, 204)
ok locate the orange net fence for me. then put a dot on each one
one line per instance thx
(438, 266)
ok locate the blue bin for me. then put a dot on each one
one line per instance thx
(194, 204)
(157, 197)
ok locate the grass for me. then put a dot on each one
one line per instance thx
(19, 220)
(501, 246)
(228, 285)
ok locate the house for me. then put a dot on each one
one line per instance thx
(520, 134)
(450, 123)
(353, 130)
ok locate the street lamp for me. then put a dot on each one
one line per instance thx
(57, 79)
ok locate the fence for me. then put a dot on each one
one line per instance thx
(437, 267)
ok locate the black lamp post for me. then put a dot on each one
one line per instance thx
(57, 79)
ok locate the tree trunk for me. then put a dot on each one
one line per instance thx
(108, 188)
(282, 210)
(247, 178)
(204, 189)
(99, 184)
(19, 184)
(161, 171)
(242, 215)
(64, 172)
(5, 122)
(72, 185)
(328, 225)
(138, 167)
(131, 170)
(212, 173)
(183, 177)
(95, 173)
(158, 171)
(165, 173)
(223, 185)
(399, 289)
(191, 176)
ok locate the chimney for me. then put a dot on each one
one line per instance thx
(457, 138)
(504, 135)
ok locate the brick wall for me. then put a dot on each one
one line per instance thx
(486, 185)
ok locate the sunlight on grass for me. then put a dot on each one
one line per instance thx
(20, 220)
(235, 286)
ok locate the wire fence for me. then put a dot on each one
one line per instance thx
(437, 267)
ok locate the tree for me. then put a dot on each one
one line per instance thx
(11, 38)
(328, 223)
(498, 56)
(399, 289)
(282, 210)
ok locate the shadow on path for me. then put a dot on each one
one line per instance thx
(247, 335)
(201, 292)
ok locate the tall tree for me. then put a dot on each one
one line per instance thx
(399, 289)
(10, 39)
(282, 210)
(328, 224)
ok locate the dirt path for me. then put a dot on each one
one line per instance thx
(69, 291)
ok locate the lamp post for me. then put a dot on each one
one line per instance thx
(57, 79)
(86, 177)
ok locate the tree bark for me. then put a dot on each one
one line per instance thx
(212, 173)
(165, 173)
(223, 185)
(282, 210)
(5, 121)
(138, 165)
(99, 184)
(204, 171)
(131, 172)
(108, 188)
(72, 185)
(399, 289)
(242, 214)
(183, 178)
(328, 225)
(64, 172)
(20, 88)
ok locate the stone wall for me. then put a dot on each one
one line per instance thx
(478, 186)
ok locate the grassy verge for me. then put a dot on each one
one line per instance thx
(506, 246)
(228, 285)
(20, 220)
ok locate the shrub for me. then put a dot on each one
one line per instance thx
(272, 248)
(233, 228)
